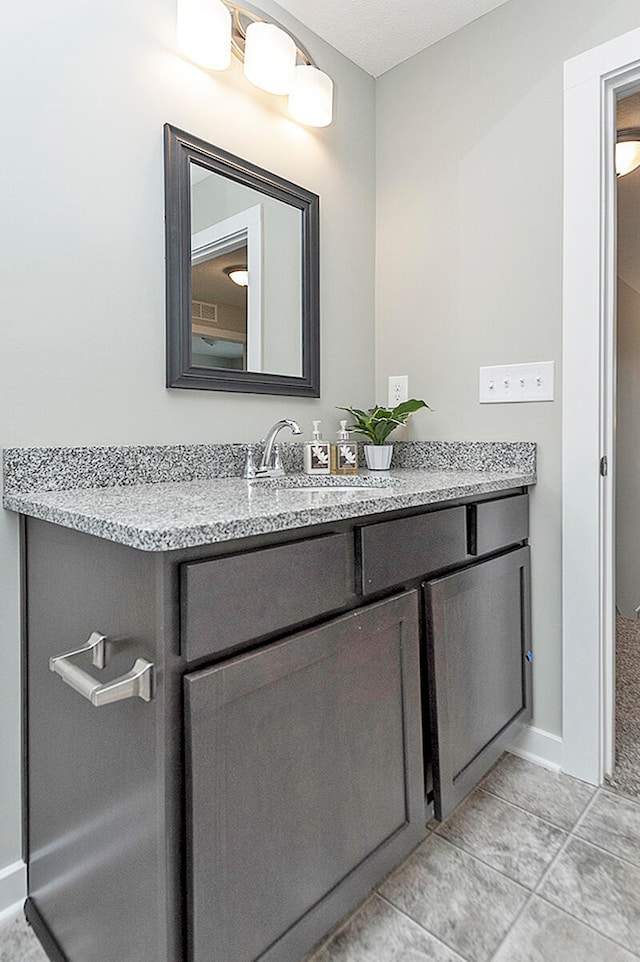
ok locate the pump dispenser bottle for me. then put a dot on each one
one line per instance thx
(344, 453)
(317, 453)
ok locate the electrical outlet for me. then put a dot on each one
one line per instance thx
(506, 383)
(398, 390)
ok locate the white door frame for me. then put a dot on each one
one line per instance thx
(591, 83)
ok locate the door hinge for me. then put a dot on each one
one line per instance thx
(604, 466)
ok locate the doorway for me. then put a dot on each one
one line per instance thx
(593, 83)
(626, 769)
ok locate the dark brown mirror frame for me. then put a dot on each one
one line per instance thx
(180, 150)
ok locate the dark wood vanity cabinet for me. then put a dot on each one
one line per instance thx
(278, 773)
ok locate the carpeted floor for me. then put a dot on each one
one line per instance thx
(626, 775)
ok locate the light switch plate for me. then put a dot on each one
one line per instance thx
(506, 383)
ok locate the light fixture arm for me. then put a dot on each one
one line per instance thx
(241, 17)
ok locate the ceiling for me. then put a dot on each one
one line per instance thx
(210, 284)
(379, 34)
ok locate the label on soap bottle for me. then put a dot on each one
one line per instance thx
(317, 457)
(346, 457)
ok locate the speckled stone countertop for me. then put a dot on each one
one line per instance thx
(165, 514)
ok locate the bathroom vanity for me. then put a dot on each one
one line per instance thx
(318, 668)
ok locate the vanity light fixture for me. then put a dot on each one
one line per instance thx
(238, 274)
(627, 150)
(210, 30)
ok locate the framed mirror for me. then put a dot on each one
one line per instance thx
(242, 251)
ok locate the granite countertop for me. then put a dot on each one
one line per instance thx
(168, 515)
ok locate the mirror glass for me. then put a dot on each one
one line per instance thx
(242, 274)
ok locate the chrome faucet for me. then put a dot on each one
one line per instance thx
(270, 466)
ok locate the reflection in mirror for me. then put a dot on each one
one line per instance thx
(219, 311)
(242, 306)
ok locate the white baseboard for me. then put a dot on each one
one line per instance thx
(539, 747)
(13, 889)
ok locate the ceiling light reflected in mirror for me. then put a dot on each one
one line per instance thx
(627, 150)
(238, 274)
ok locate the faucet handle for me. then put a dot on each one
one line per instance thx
(250, 470)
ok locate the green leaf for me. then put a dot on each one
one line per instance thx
(378, 422)
(409, 407)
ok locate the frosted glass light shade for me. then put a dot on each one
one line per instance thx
(627, 156)
(269, 58)
(311, 100)
(204, 32)
(239, 276)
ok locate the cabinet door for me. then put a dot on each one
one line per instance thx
(479, 671)
(304, 782)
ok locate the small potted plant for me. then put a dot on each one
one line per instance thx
(376, 424)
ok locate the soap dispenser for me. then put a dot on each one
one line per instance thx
(344, 454)
(317, 453)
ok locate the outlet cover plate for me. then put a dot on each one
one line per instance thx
(508, 383)
(398, 390)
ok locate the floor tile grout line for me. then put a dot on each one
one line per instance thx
(561, 908)
(527, 902)
(607, 851)
(537, 894)
(529, 895)
(521, 808)
(437, 938)
(481, 861)
(606, 789)
(531, 892)
(534, 892)
(528, 811)
(565, 845)
(592, 928)
(477, 858)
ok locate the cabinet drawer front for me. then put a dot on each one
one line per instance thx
(393, 552)
(227, 601)
(501, 523)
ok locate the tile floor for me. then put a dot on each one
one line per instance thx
(532, 867)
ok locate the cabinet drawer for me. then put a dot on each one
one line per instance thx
(499, 524)
(393, 552)
(228, 601)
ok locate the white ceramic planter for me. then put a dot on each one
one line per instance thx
(378, 456)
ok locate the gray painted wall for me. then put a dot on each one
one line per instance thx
(82, 250)
(469, 246)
